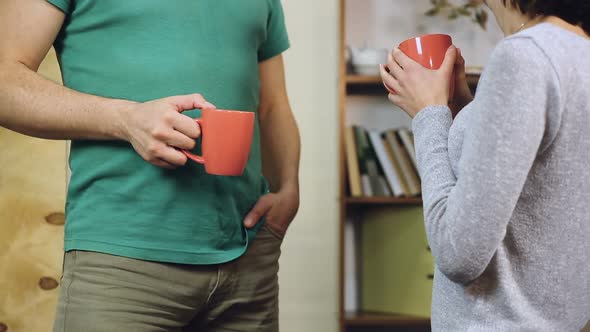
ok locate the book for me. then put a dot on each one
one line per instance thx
(354, 175)
(411, 158)
(396, 167)
(385, 186)
(380, 182)
(368, 162)
(374, 177)
(361, 144)
(408, 142)
(405, 165)
(366, 184)
(393, 177)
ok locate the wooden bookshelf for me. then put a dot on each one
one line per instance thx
(383, 200)
(472, 73)
(358, 79)
(383, 320)
(355, 208)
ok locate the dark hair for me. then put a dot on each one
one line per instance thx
(576, 12)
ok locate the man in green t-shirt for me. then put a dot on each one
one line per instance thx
(153, 243)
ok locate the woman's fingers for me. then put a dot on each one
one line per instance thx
(394, 68)
(389, 81)
(402, 59)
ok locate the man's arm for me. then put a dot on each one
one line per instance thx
(33, 105)
(280, 149)
(279, 132)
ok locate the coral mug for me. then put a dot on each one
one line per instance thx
(429, 51)
(226, 141)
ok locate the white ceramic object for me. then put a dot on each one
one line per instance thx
(366, 61)
(366, 70)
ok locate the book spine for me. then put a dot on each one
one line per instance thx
(408, 142)
(403, 160)
(354, 176)
(392, 178)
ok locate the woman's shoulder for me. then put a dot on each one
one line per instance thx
(520, 53)
(549, 34)
(518, 64)
(547, 46)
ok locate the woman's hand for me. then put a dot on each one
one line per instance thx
(463, 95)
(416, 86)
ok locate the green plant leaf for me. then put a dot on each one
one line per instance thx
(470, 8)
(463, 11)
(432, 11)
(453, 15)
(481, 17)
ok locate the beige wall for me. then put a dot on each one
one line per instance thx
(308, 276)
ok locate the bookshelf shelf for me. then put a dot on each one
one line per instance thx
(358, 79)
(472, 74)
(373, 86)
(377, 319)
(383, 200)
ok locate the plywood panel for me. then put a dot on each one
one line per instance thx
(32, 195)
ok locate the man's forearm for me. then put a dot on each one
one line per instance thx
(35, 106)
(280, 148)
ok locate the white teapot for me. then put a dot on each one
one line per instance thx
(366, 61)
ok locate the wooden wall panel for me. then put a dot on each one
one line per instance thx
(32, 195)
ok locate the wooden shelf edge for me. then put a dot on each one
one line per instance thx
(360, 79)
(472, 77)
(383, 200)
(378, 319)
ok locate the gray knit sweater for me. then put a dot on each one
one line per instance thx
(506, 190)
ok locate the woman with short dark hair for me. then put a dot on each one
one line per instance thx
(505, 175)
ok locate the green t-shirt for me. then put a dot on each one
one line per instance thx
(142, 50)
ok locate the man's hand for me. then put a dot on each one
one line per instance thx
(278, 208)
(157, 129)
(279, 150)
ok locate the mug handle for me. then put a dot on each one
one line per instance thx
(194, 157)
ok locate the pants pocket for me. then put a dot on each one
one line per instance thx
(266, 227)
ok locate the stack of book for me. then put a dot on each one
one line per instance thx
(381, 163)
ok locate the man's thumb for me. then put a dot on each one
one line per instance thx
(189, 102)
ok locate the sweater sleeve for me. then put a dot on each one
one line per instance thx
(467, 216)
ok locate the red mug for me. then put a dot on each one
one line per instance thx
(429, 51)
(226, 141)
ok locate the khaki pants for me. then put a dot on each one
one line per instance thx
(101, 292)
